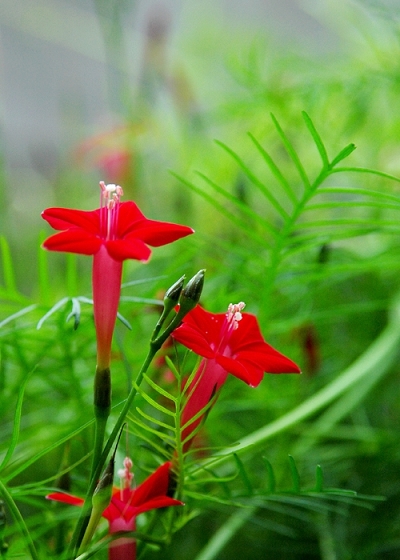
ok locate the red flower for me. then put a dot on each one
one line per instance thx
(114, 232)
(229, 343)
(127, 503)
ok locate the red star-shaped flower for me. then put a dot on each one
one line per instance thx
(229, 343)
(113, 233)
(118, 226)
(127, 503)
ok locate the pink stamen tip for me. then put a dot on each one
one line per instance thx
(125, 474)
(234, 314)
(109, 200)
(128, 463)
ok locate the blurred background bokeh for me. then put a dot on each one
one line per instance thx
(135, 92)
(124, 90)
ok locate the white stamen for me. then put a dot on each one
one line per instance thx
(109, 201)
(126, 475)
(234, 314)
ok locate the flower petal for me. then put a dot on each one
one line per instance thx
(194, 340)
(65, 218)
(157, 502)
(250, 375)
(122, 249)
(156, 233)
(128, 216)
(65, 498)
(132, 221)
(155, 485)
(73, 241)
(270, 362)
(209, 324)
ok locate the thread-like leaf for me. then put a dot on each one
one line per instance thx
(249, 213)
(243, 475)
(222, 209)
(317, 139)
(319, 479)
(276, 171)
(16, 424)
(293, 154)
(259, 184)
(295, 474)
(271, 476)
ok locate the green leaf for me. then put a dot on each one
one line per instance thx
(292, 153)
(256, 182)
(243, 475)
(243, 225)
(295, 475)
(275, 171)
(271, 476)
(343, 154)
(317, 139)
(319, 479)
(16, 423)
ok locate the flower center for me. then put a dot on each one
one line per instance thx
(231, 323)
(109, 208)
(127, 481)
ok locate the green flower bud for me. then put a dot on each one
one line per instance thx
(172, 295)
(190, 295)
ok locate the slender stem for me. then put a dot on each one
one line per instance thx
(19, 520)
(102, 407)
(155, 345)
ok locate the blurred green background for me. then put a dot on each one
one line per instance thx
(127, 91)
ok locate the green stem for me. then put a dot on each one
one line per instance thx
(98, 465)
(19, 520)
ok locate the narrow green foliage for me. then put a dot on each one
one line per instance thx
(19, 520)
(164, 393)
(256, 182)
(318, 141)
(271, 476)
(243, 475)
(292, 153)
(16, 424)
(343, 154)
(222, 209)
(155, 403)
(276, 171)
(295, 475)
(319, 479)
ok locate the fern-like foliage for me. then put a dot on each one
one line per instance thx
(294, 218)
(156, 423)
